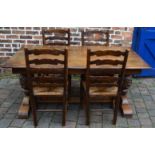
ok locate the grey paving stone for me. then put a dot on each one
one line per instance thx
(72, 115)
(9, 115)
(151, 112)
(108, 124)
(96, 125)
(4, 123)
(150, 105)
(55, 125)
(17, 123)
(3, 110)
(82, 126)
(139, 103)
(57, 118)
(81, 113)
(95, 118)
(6, 104)
(70, 124)
(143, 115)
(81, 120)
(145, 122)
(44, 122)
(147, 98)
(121, 123)
(107, 117)
(14, 108)
(141, 110)
(133, 123)
(153, 120)
(28, 124)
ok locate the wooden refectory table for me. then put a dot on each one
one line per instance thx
(77, 65)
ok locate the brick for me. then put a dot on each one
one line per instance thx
(33, 42)
(5, 32)
(12, 36)
(5, 49)
(18, 32)
(25, 37)
(5, 41)
(19, 41)
(32, 32)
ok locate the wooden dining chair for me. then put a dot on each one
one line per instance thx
(95, 37)
(56, 37)
(40, 63)
(104, 79)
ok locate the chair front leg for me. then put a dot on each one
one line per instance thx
(87, 104)
(65, 110)
(117, 104)
(34, 110)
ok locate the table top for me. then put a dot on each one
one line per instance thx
(77, 56)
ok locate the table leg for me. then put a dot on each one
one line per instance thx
(125, 105)
(24, 107)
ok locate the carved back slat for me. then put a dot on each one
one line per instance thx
(46, 61)
(56, 36)
(87, 35)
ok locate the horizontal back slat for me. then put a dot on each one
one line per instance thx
(103, 84)
(46, 51)
(94, 32)
(101, 79)
(99, 72)
(46, 61)
(107, 53)
(56, 31)
(106, 62)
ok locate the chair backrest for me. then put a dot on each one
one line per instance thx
(94, 37)
(56, 36)
(46, 67)
(106, 68)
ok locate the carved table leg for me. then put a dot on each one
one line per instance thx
(24, 108)
(125, 105)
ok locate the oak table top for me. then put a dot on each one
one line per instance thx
(77, 56)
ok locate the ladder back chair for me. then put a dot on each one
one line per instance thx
(56, 36)
(47, 74)
(104, 78)
(95, 37)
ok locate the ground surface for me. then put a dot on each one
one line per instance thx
(141, 96)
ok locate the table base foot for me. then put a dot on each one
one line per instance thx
(126, 107)
(24, 109)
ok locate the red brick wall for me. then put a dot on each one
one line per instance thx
(12, 38)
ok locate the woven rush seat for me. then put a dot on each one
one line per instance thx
(41, 91)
